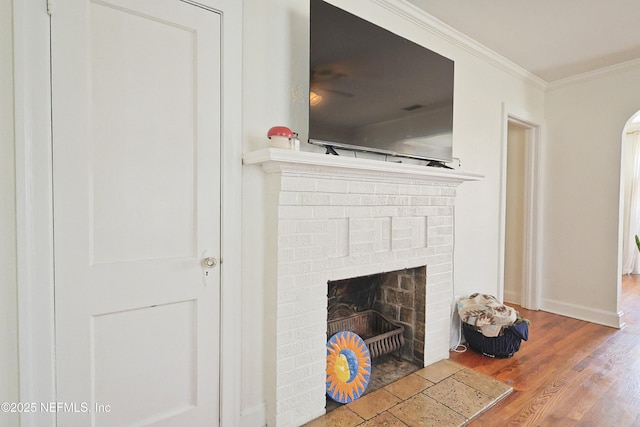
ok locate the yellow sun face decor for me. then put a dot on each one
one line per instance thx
(348, 367)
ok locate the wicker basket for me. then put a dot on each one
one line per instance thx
(502, 346)
(381, 335)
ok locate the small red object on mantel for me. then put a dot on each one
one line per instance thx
(280, 131)
(281, 137)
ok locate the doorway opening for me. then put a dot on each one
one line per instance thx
(630, 195)
(629, 209)
(519, 213)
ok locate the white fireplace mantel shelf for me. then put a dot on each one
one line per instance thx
(277, 160)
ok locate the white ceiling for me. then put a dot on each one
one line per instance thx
(552, 39)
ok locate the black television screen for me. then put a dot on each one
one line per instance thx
(373, 90)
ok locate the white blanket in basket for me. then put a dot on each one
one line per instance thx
(486, 312)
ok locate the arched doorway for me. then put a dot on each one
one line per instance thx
(630, 195)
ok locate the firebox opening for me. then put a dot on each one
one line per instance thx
(395, 301)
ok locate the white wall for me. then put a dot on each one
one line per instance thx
(586, 116)
(477, 141)
(275, 61)
(8, 301)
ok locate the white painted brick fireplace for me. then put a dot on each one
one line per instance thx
(331, 218)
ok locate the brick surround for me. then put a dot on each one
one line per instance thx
(334, 218)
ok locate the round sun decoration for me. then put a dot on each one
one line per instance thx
(348, 367)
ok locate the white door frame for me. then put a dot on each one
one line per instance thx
(530, 286)
(34, 207)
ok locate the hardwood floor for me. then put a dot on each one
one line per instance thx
(570, 372)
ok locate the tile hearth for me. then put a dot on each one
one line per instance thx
(442, 394)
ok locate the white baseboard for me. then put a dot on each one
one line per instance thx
(601, 317)
(255, 416)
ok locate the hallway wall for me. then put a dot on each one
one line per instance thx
(515, 232)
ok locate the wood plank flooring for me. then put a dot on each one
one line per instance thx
(570, 372)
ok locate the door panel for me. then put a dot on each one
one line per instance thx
(144, 103)
(136, 143)
(157, 347)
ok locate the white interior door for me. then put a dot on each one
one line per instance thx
(136, 147)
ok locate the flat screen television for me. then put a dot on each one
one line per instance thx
(372, 90)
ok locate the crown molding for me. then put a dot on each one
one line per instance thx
(433, 25)
(592, 75)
